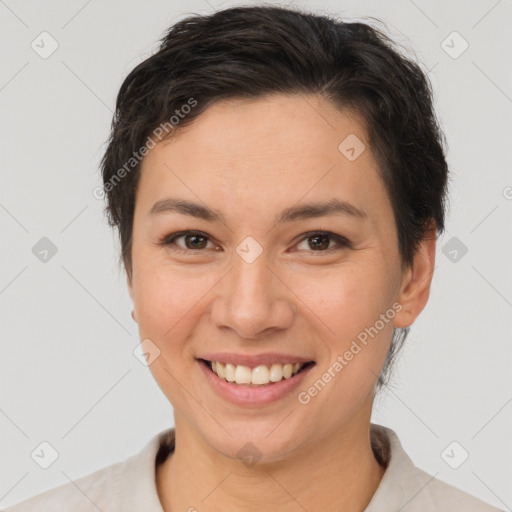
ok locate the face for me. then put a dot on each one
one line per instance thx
(251, 275)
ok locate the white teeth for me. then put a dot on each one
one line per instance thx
(276, 372)
(220, 371)
(243, 375)
(260, 375)
(287, 370)
(229, 372)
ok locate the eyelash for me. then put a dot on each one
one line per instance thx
(343, 243)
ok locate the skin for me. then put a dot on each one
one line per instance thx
(250, 160)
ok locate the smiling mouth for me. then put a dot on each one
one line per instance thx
(262, 375)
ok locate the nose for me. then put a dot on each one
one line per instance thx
(253, 300)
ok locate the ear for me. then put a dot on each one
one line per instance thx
(129, 285)
(415, 286)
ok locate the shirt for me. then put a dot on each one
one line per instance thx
(130, 485)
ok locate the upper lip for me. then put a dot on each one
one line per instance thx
(267, 358)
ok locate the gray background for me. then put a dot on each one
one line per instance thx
(68, 374)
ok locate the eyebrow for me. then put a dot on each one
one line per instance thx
(298, 212)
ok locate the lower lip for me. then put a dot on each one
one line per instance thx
(253, 396)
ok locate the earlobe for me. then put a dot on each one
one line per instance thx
(416, 283)
(129, 286)
(130, 291)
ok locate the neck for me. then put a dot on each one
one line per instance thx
(342, 473)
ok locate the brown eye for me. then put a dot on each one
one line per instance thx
(319, 241)
(192, 241)
(195, 241)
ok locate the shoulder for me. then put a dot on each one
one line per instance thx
(407, 488)
(125, 485)
(443, 497)
(86, 494)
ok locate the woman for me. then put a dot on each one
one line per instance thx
(278, 181)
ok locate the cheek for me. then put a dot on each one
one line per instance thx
(346, 307)
(168, 308)
(169, 302)
(346, 300)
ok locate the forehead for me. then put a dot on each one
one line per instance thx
(276, 150)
